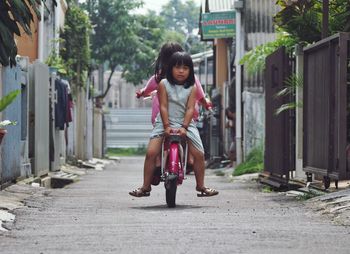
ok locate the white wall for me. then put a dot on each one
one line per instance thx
(253, 120)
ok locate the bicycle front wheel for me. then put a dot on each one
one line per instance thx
(170, 192)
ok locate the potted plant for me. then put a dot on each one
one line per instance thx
(4, 102)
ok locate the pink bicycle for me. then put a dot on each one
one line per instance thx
(173, 165)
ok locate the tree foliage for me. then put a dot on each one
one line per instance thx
(254, 60)
(183, 18)
(76, 51)
(124, 40)
(303, 18)
(180, 17)
(15, 14)
(149, 30)
(113, 40)
(130, 42)
(299, 21)
(339, 17)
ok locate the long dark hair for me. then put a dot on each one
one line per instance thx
(181, 58)
(162, 61)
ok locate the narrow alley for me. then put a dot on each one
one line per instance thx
(96, 215)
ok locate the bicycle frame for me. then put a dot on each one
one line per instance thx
(173, 159)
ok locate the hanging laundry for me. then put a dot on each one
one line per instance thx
(61, 104)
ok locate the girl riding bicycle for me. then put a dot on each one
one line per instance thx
(161, 65)
(177, 97)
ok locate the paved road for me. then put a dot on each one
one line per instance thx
(96, 215)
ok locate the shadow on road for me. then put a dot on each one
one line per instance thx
(163, 207)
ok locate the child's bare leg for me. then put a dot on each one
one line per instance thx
(199, 168)
(190, 159)
(198, 165)
(158, 161)
(153, 150)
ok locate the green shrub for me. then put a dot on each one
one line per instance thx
(141, 150)
(253, 164)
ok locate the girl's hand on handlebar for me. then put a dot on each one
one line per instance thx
(167, 131)
(139, 94)
(182, 132)
(209, 105)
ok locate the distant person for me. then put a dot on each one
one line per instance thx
(230, 124)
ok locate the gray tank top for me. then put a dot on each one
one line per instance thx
(177, 99)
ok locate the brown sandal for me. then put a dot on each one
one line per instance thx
(207, 192)
(140, 192)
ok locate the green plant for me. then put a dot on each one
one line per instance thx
(298, 21)
(293, 82)
(141, 150)
(75, 50)
(254, 60)
(57, 62)
(305, 196)
(5, 102)
(302, 19)
(267, 189)
(253, 164)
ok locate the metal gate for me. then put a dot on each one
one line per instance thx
(279, 129)
(11, 146)
(325, 108)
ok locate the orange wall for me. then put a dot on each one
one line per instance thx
(28, 45)
(221, 62)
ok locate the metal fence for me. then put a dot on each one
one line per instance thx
(279, 128)
(325, 108)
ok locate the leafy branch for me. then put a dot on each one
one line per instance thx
(292, 82)
(5, 102)
(254, 60)
(8, 99)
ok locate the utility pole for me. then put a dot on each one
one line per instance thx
(325, 19)
(238, 6)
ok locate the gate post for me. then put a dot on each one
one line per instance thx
(299, 173)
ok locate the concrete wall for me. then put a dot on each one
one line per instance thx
(80, 120)
(253, 120)
(97, 137)
(71, 136)
(221, 64)
(11, 143)
(39, 118)
(258, 29)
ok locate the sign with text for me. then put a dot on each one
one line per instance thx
(217, 25)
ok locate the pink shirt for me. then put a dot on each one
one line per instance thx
(152, 85)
